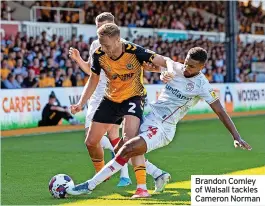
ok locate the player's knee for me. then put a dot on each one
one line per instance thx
(90, 142)
(126, 151)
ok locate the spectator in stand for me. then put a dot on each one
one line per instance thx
(218, 77)
(66, 81)
(11, 59)
(19, 79)
(31, 81)
(20, 69)
(5, 71)
(58, 78)
(11, 82)
(45, 81)
(79, 80)
(50, 78)
(35, 66)
(71, 76)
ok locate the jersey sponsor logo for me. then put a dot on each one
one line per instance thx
(151, 131)
(190, 87)
(177, 93)
(122, 77)
(129, 66)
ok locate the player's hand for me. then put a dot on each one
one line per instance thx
(166, 76)
(150, 67)
(74, 54)
(75, 108)
(242, 144)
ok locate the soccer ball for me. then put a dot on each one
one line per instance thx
(59, 184)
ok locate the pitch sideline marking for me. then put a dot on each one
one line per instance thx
(117, 199)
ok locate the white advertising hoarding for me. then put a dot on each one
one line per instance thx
(22, 108)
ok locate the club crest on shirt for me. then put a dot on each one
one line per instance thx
(129, 66)
(189, 87)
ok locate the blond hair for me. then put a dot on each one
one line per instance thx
(109, 29)
(105, 16)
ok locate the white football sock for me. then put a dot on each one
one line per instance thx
(142, 186)
(105, 143)
(152, 170)
(124, 171)
(108, 170)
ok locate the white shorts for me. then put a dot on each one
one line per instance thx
(92, 107)
(155, 133)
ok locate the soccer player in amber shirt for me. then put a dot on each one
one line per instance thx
(161, 177)
(124, 96)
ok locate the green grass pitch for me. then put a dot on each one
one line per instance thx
(200, 147)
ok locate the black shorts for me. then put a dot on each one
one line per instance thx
(112, 113)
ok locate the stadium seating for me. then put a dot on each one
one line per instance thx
(32, 60)
(182, 15)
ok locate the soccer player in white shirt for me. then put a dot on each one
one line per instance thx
(186, 85)
(161, 178)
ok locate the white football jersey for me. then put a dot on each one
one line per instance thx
(180, 94)
(100, 89)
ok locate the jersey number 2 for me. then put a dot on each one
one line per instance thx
(133, 105)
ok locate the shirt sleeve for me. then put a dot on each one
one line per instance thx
(91, 50)
(178, 68)
(144, 55)
(95, 65)
(207, 93)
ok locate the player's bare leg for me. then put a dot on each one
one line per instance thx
(130, 130)
(161, 178)
(92, 141)
(132, 148)
(113, 135)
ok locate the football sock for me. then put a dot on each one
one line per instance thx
(114, 141)
(124, 171)
(108, 170)
(98, 164)
(140, 173)
(152, 169)
(105, 143)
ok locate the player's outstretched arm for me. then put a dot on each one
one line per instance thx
(75, 55)
(224, 117)
(87, 93)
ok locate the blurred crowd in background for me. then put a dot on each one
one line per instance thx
(181, 15)
(36, 62)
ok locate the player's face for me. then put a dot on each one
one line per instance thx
(109, 45)
(192, 67)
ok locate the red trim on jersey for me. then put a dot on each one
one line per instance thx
(174, 111)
